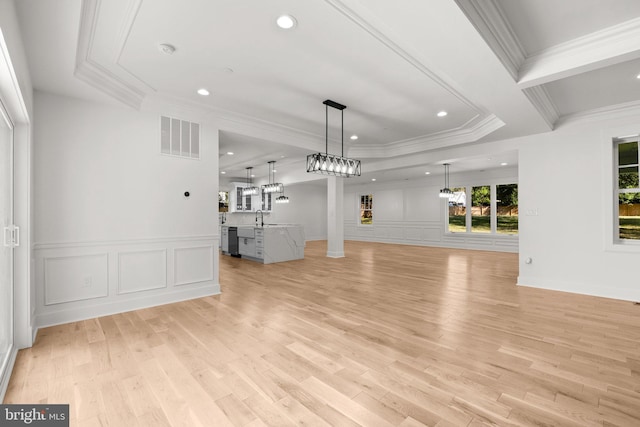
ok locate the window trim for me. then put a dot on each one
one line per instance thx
(493, 233)
(613, 240)
(609, 187)
(359, 202)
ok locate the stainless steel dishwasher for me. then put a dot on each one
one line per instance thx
(233, 242)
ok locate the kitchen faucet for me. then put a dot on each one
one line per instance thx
(261, 218)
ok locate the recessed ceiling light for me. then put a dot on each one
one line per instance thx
(286, 22)
(253, 176)
(354, 137)
(504, 164)
(427, 173)
(373, 179)
(223, 172)
(203, 92)
(442, 113)
(638, 77)
(274, 171)
(230, 153)
(167, 48)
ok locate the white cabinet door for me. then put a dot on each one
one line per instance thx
(247, 246)
(224, 238)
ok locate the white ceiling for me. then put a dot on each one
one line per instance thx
(500, 68)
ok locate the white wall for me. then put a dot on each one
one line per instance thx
(307, 206)
(113, 230)
(566, 200)
(411, 212)
(16, 93)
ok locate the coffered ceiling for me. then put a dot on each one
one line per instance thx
(499, 68)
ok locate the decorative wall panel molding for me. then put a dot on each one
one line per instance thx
(75, 278)
(142, 271)
(426, 233)
(193, 265)
(76, 281)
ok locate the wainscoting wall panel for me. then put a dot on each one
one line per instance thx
(426, 233)
(193, 265)
(76, 281)
(142, 270)
(75, 278)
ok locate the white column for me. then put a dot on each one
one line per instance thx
(335, 217)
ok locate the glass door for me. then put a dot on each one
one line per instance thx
(6, 239)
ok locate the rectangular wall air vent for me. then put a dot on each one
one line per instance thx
(179, 138)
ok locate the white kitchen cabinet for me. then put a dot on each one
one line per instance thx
(247, 246)
(224, 238)
(240, 203)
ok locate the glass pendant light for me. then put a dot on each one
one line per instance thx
(282, 198)
(250, 190)
(332, 164)
(446, 192)
(272, 187)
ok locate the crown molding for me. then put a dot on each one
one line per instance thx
(93, 73)
(463, 135)
(609, 112)
(541, 99)
(489, 19)
(609, 46)
(129, 20)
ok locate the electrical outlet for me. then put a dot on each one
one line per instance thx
(531, 212)
(87, 282)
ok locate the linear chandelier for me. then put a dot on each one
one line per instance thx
(272, 187)
(332, 164)
(250, 189)
(446, 192)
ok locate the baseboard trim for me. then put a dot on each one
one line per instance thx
(581, 288)
(121, 306)
(6, 375)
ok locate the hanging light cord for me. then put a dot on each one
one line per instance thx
(326, 130)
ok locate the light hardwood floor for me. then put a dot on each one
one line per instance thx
(391, 335)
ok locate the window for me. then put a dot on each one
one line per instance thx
(486, 209)
(628, 189)
(458, 211)
(481, 209)
(507, 209)
(366, 209)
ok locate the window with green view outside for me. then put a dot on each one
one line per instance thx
(458, 211)
(481, 209)
(366, 209)
(475, 214)
(628, 190)
(507, 207)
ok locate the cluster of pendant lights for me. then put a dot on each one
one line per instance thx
(332, 164)
(275, 187)
(250, 189)
(446, 192)
(271, 187)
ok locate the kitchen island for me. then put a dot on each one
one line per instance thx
(266, 244)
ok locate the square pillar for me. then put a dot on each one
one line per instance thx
(335, 217)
